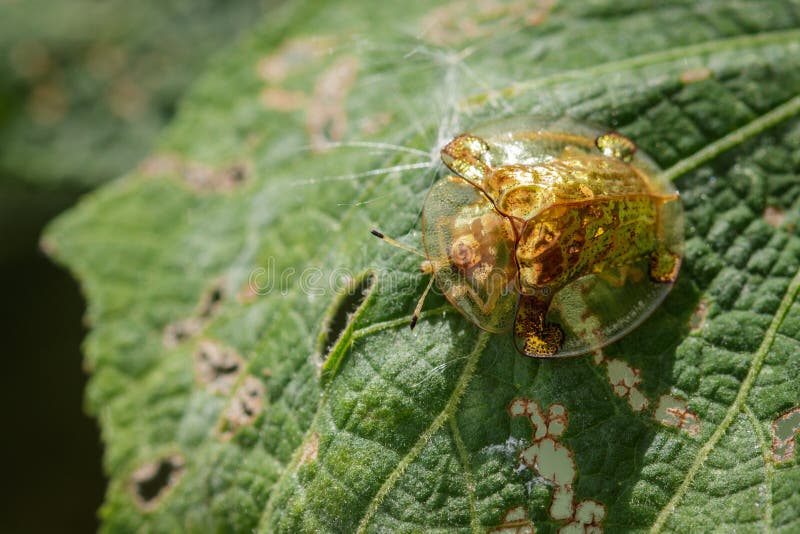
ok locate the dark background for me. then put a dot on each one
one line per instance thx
(54, 481)
(85, 88)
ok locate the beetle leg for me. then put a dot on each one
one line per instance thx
(464, 155)
(466, 290)
(420, 302)
(396, 243)
(664, 265)
(615, 145)
(534, 336)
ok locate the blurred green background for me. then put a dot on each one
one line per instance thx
(85, 87)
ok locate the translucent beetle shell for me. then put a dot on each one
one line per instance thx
(556, 231)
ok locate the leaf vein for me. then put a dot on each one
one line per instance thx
(469, 479)
(768, 468)
(644, 60)
(436, 424)
(738, 403)
(772, 118)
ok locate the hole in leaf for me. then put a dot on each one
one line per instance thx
(341, 312)
(179, 331)
(211, 300)
(236, 174)
(152, 481)
(245, 407)
(208, 305)
(217, 366)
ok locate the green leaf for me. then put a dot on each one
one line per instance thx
(86, 86)
(211, 274)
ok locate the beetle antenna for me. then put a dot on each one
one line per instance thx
(421, 301)
(396, 243)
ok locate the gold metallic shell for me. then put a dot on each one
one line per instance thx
(471, 250)
(568, 224)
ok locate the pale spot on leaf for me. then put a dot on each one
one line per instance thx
(462, 21)
(310, 449)
(698, 319)
(624, 379)
(282, 99)
(217, 366)
(774, 216)
(31, 59)
(515, 521)
(47, 103)
(588, 516)
(375, 123)
(199, 177)
(186, 328)
(695, 74)
(292, 57)
(327, 115)
(784, 430)
(674, 412)
(245, 407)
(181, 330)
(554, 462)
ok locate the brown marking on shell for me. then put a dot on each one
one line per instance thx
(664, 266)
(540, 338)
(465, 252)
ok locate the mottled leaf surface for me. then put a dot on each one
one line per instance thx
(85, 86)
(410, 431)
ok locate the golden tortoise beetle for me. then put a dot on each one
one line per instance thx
(554, 230)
